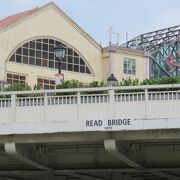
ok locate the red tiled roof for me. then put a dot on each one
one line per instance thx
(13, 18)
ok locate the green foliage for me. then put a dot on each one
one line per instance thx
(126, 82)
(102, 84)
(76, 84)
(163, 80)
(37, 87)
(70, 84)
(18, 87)
(97, 84)
(135, 82)
(129, 82)
(94, 84)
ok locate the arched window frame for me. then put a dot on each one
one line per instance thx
(81, 58)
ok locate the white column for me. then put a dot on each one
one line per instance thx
(78, 104)
(45, 106)
(13, 107)
(111, 107)
(146, 103)
(147, 66)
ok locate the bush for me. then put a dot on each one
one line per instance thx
(18, 87)
(163, 80)
(94, 84)
(37, 87)
(70, 84)
(129, 82)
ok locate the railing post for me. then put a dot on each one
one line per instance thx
(146, 102)
(111, 108)
(78, 103)
(13, 107)
(45, 105)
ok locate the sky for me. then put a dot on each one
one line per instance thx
(96, 16)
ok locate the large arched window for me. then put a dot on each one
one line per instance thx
(40, 52)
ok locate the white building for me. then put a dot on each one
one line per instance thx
(27, 44)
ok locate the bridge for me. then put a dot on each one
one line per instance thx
(162, 47)
(106, 133)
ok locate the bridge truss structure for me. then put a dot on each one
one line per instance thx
(163, 49)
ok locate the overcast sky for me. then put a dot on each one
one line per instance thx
(96, 16)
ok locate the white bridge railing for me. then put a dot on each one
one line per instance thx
(90, 109)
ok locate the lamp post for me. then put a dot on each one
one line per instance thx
(111, 81)
(59, 50)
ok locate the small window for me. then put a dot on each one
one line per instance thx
(46, 83)
(15, 79)
(129, 66)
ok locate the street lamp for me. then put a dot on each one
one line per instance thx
(111, 81)
(59, 50)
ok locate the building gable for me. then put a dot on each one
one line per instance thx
(16, 19)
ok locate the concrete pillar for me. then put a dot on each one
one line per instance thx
(13, 108)
(78, 105)
(45, 106)
(111, 103)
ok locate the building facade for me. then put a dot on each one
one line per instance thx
(27, 43)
